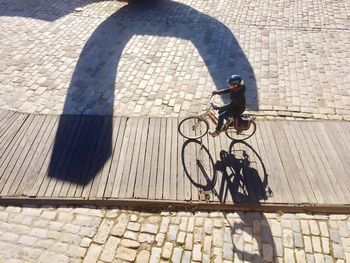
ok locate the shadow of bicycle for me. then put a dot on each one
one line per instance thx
(237, 176)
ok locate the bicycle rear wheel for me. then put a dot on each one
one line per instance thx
(235, 135)
(193, 127)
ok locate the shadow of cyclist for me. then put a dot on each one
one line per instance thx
(251, 237)
(240, 179)
(236, 175)
(233, 177)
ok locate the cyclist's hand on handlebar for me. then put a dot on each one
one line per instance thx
(214, 92)
(215, 106)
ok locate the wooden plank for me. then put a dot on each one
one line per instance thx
(289, 166)
(186, 170)
(251, 167)
(140, 173)
(101, 132)
(167, 159)
(24, 172)
(186, 166)
(268, 170)
(240, 181)
(336, 171)
(180, 187)
(174, 156)
(6, 119)
(259, 170)
(190, 157)
(161, 160)
(212, 164)
(205, 171)
(56, 142)
(345, 126)
(270, 144)
(73, 175)
(4, 115)
(236, 174)
(298, 164)
(19, 157)
(307, 160)
(164, 161)
(225, 160)
(115, 159)
(39, 159)
(237, 171)
(41, 175)
(317, 164)
(327, 173)
(338, 141)
(10, 158)
(104, 151)
(153, 174)
(343, 136)
(130, 159)
(141, 189)
(215, 154)
(5, 126)
(136, 172)
(67, 137)
(122, 159)
(10, 134)
(128, 190)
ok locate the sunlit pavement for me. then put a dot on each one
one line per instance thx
(164, 59)
(92, 234)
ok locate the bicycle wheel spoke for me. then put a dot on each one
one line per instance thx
(193, 127)
(241, 135)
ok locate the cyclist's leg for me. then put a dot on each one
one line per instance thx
(223, 115)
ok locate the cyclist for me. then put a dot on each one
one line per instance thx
(236, 107)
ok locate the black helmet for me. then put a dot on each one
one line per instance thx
(234, 79)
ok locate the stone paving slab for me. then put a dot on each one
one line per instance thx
(96, 234)
(110, 57)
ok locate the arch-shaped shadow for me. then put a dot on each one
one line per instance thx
(92, 87)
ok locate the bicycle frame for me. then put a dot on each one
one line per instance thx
(210, 114)
(230, 127)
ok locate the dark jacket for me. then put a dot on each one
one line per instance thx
(237, 104)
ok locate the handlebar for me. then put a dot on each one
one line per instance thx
(210, 100)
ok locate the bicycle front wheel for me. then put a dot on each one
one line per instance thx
(193, 127)
(235, 135)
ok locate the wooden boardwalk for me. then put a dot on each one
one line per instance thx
(100, 157)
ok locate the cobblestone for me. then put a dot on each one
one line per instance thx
(238, 237)
(171, 67)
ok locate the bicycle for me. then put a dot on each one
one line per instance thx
(239, 129)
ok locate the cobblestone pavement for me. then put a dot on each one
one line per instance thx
(88, 234)
(163, 59)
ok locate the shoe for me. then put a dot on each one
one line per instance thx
(214, 133)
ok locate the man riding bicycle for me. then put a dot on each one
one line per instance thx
(236, 107)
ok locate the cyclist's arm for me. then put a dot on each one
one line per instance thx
(223, 91)
(227, 106)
